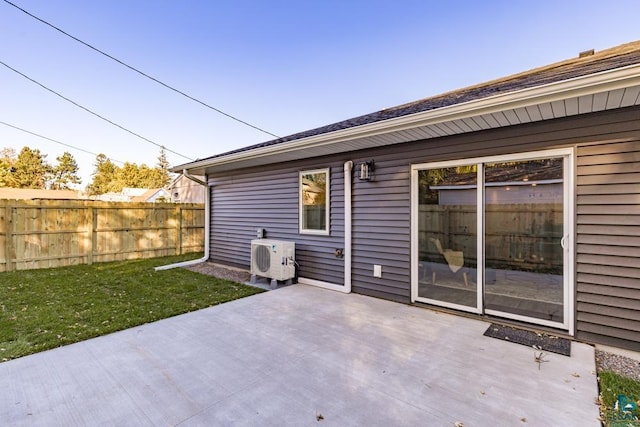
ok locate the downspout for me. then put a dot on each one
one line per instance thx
(348, 166)
(346, 251)
(207, 226)
(192, 178)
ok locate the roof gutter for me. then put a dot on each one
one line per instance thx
(618, 78)
(186, 174)
(207, 225)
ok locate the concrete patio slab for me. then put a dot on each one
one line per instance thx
(301, 356)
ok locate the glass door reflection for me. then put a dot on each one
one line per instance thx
(447, 241)
(523, 232)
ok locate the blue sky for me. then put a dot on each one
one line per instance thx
(284, 66)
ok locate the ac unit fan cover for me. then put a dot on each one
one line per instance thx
(262, 258)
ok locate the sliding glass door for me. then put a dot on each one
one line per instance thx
(491, 235)
(524, 229)
(447, 236)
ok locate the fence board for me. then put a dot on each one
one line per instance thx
(53, 233)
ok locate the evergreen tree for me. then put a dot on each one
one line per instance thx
(31, 169)
(65, 172)
(162, 169)
(104, 175)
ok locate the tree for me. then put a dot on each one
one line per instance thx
(129, 175)
(141, 176)
(103, 176)
(108, 177)
(163, 177)
(31, 169)
(7, 162)
(65, 172)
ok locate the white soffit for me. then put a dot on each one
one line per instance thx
(597, 92)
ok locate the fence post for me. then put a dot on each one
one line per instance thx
(179, 230)
(8, 249)
(90, 228)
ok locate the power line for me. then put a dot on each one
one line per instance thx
(92, 112)
(57, 142)
(141, 72)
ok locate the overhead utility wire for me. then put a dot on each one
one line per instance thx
(91, 112)
(57, 142)
(141, 72)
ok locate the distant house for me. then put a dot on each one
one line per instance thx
(152, 195)
(140, 195)
(529, 182)
(112, 197)
(185, 190)
(37, 194)
(523, 191)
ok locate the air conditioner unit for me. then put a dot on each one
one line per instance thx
(274, 259)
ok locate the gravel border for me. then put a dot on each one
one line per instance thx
(622, 365)
(238, 275)
(222, 272)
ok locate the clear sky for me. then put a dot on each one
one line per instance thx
(284, 66)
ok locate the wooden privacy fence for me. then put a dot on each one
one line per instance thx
(53, 233)
(515, 238)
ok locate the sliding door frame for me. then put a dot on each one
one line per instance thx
(568, 155)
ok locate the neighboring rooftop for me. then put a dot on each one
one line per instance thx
(129, 194)
(33, 194)
(504, 173)
(151, 195)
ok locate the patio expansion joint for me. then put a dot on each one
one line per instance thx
(106, 370)
(218, 401)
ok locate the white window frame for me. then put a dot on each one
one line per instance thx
(302, 230)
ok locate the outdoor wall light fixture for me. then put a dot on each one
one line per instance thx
(367, 170)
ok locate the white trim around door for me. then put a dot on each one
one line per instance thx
(471, 234)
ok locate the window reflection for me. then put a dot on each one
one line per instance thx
(314, 201)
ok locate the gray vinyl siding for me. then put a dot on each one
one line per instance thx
(608, 236)
(268, 198)
(381, 209)
(381, 212)
(608, 243)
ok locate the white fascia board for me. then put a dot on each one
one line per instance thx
(594, 83)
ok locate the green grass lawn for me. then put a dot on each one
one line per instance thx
(44, 309)
(613, 385)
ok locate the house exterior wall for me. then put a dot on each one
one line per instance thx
(184, 190)
(268, 198)
(608, 242)
(608, 271)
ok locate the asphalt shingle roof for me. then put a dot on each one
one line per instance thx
(608, 59)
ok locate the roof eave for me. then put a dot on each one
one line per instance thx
(594, 83)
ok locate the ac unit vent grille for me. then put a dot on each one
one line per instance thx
(263, 258)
